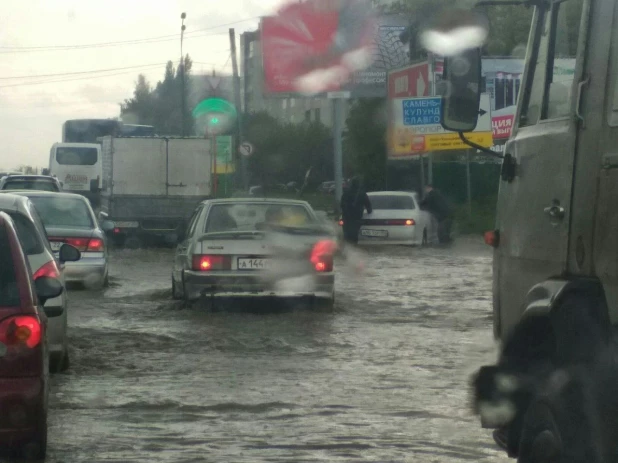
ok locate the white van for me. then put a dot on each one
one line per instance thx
(79, 168)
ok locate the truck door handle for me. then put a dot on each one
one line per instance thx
(555, 211)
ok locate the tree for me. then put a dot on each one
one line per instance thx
(161, 106)
(284, 152)
(365, 140)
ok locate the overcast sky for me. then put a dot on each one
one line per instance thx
(31, 115)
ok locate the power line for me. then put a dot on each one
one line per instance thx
(24, 84)
(125, 70)
(163, 38)
(62, 74)
(81, 72)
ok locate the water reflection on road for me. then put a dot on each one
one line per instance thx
(383, 377)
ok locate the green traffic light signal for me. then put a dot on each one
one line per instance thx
(214, 120)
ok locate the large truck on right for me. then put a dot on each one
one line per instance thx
(555, 256)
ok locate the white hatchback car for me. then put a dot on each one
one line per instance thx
(42, 262)
(255, 248)
(397, 219)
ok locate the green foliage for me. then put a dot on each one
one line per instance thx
(284, 152)
(161, 106)
(365, 144)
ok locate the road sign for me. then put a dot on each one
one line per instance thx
(416, 127)
(246, 148)
(409, 82)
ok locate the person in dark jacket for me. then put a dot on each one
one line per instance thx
(354, 201)
(435, 202)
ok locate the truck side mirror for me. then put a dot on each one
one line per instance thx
(461, 92)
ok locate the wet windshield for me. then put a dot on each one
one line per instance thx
(303, 259)
(254, 217)
(63, 212)
(392, 202)
(42, 185)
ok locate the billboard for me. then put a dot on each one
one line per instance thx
(416, 127)
(279, 41)
(502, 122)
(410, 81)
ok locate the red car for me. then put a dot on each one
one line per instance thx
(23, 349)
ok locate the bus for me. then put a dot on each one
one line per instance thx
(88, 130)
(134, 130)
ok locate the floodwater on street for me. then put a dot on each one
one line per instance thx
(384, 377)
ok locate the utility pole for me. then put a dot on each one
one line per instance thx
(239, 111)
(182, 76)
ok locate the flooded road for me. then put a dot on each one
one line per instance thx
(382, 378)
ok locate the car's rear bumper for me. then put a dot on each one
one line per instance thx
(86, 270)
(197, 285)
(395, 235)
(21, 408)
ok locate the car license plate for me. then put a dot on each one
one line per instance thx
(56, 245)
(375, 233)
(253, 264)
(126, 224)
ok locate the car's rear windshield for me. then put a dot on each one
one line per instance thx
(63, 212)
(76, 156)
(253, 217)
(26, 232)
(9, 290)
(392, 202)
(40, 185)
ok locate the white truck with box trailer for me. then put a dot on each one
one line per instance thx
(153, 184)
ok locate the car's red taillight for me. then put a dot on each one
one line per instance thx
(95, 245)
(50, 269)
(206, 263)
(322, 255)
(83, 244)
(341, 223)
(21, 330)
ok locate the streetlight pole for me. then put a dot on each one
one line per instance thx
(182, 64)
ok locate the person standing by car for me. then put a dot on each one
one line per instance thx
(436, 203)
(354, 201)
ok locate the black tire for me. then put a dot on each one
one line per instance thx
(176, 294)
(36, 448)
(106, 281)
(59, 363)
(424, 242)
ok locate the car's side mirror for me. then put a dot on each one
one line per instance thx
(47, 288)
(461, 91)
(107, 225)
(69, 253)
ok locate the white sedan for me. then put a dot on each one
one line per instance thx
(397, 219)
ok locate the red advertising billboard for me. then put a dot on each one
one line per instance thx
(502, 121)
(315, 46)
(409, 82)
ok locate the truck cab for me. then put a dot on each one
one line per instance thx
(555, 262)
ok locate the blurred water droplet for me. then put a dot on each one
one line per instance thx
(454, 31)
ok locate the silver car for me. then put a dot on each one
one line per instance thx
(69, 218)
(255, 248)
(43, 263)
